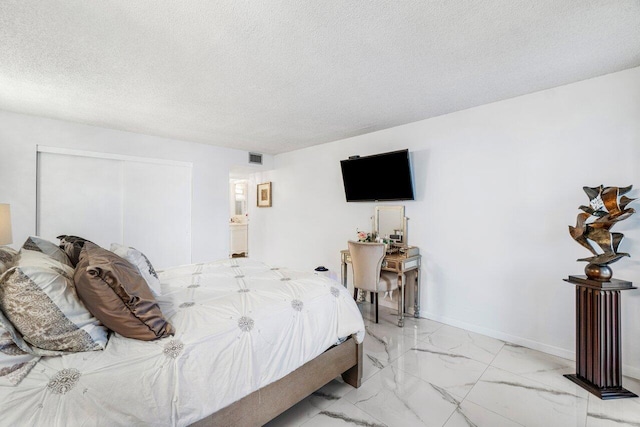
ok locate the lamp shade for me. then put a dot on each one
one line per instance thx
(5, 224)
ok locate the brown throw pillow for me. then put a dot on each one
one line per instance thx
(113, 290)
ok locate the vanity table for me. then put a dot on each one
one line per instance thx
(390, 224)
(238, 238)
(400, 263)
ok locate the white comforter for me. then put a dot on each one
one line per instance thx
(240, 326)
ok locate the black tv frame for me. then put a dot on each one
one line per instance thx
(408, 190)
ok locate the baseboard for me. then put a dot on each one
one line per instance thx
(630, 371)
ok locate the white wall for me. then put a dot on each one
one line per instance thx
(19, 135)
(496, 186)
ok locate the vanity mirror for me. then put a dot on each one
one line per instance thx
(390, 222)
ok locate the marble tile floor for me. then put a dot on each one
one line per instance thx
(431, 374)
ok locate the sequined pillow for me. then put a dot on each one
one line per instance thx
(39, 298)
(72, 245)
(142, 263)
(7, 258)
(38, 244)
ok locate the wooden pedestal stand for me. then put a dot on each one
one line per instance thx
(598, 337)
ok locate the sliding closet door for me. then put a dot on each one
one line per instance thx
(80, 196)
(157, 212)
(138, 202)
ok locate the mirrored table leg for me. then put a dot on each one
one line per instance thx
(416, 295)
(401, 278)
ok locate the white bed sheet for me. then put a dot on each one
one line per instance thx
(240, 325)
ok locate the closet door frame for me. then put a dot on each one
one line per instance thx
(117, 157)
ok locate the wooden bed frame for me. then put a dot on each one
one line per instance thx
(270, 401)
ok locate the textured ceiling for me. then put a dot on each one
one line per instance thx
(276, 76)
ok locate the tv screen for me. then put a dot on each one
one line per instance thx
(380, 177)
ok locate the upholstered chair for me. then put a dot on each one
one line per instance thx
(366, 261)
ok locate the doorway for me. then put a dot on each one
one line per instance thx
(239, 219)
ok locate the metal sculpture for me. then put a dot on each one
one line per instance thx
(607, 206)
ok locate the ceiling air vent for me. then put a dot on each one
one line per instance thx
(255, 158)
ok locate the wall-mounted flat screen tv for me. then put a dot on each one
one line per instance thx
(380, 177)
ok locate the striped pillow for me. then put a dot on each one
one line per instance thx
(37, 244)
(39, 298)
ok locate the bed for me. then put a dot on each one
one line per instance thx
(250, 341)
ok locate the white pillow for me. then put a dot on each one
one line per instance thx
(142, 263)
(37, 244)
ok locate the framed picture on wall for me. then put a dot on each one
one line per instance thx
(264, 195)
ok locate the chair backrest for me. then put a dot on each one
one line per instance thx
(366, 261)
